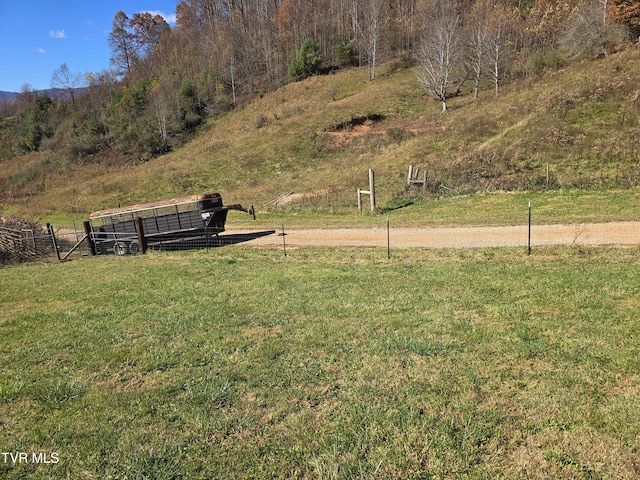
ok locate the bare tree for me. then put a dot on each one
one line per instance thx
(477, 36)
(373, 26)
(589, 31)
(25, 97)
(66, 80)
(402, 19)
(500, 24)
(160, 101)
(440, 50)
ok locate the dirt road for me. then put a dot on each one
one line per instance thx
(614, 233)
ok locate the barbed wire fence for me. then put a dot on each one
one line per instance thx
(379, 233)
(382, 239)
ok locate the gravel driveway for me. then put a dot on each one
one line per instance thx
(614, 233)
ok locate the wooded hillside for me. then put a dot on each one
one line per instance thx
(164, 82)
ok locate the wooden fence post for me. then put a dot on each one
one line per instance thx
(142, 240)
(87, 231)
(53, 240)
(371, 192)
(414, 181)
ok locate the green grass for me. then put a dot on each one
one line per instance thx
(482, 208)
(568, 206)
(329, 363)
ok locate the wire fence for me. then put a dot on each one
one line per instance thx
(25, 245)
(66, 244)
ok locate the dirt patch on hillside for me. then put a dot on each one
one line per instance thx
(341, 134)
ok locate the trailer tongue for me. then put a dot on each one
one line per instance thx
(193, 216)
(240, 208)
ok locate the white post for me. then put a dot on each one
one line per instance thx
(372, 190)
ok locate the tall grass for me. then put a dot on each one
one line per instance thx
(238, 363)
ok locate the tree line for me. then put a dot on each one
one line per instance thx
(164, 81)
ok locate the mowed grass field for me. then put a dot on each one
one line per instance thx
(328, 363)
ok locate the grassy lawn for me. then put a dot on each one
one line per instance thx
(569, 206)
(329, 363)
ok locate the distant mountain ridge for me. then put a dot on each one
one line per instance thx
(8, 95)
(54, 93)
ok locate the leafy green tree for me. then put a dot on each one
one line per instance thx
(190, 109)
(307, 61)
(343, 50)
(132, 121)
(36, 124)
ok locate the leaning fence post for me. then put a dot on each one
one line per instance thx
(142, 241)
(53, 240)
(88, 232)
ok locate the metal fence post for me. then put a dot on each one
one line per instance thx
(529, 239)
(388, 239)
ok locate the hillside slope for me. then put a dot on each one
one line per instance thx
(322, 134)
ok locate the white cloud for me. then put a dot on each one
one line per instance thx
(41, 50)
(57, 34)
(169, 18)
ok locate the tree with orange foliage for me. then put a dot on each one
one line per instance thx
(627, 12)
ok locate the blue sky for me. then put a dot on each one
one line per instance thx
(38, 36)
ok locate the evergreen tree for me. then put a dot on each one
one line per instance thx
(342, 50)
(307, 61)
(36, 125)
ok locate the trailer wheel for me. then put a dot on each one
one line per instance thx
(134, 247)
(120, 249)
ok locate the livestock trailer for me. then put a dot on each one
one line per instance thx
(114, 230)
